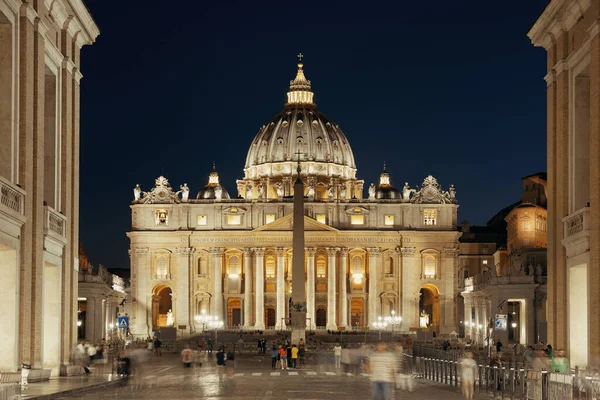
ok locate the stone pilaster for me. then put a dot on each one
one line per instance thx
(310, 288)
(182, 317)
(410, 294)
(142, 302)
(344, 287)
(217, 259)
(247, 288)
(331, 288)
(373, 299)
(280, 323)
(259, 264)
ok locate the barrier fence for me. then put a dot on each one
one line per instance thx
(512, 381)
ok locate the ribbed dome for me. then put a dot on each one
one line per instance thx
(213, 189)
(385, 190)
(300, 128)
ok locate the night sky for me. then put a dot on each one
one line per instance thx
(449, 88)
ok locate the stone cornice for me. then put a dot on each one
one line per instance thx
(41, 27)
(58, 11)
(14, 5)
(550, 78)
(564, 13)
(68, 65)
(594, 29)
(28, 12)
(86, 21)
(77, 75)
(53, 54)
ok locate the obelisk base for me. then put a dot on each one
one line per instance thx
(298, 328)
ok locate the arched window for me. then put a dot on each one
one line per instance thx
(357, 265)
(389, 267)
(321, 267)
(235, 268)
(429, 264)
(162, 267)
(270, 267)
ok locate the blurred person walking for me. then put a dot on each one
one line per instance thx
(381, 364)
(230, 362)
(337, 354)
(186, 356)
(468, 372)
(274, 357)
(294, 356)
(157, 346)
(283, 357)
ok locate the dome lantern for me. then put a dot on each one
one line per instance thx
(213, 189)
(300, 92)
(385, 190)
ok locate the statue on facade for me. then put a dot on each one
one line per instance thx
(218, 192)
(538, 271)
(185, 192)
(170, 318)
(530, 270)
(406, 191)
(424, 319)
(372, 191)
(311, 191)
(261, 190)
(137, 192)
(279, 189)
(330, 191)
(248, 191)
(452, 192)
(343, 191)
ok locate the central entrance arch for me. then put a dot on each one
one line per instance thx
(161, 304)
(429, 302)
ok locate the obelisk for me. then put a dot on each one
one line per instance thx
(298, 289)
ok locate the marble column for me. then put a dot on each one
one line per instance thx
(331, 289)
(343, 287)
(410, 292)
(310, 288)
(90, 318)
(280, 323)
(247, 288)
(183, 287)
(217, 255)
(373, 254)
(259, 265)
(142, 301)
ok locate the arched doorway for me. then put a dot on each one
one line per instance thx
(357, 312)
(270, 317)
(161, 304)
(321, 317)
(234, 315)
(429, 305)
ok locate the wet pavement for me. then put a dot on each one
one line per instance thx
(252, 378)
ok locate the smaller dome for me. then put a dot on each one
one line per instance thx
(213, 189)
(385, 190)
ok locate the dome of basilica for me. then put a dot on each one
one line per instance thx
(213, 189)
(300, 131)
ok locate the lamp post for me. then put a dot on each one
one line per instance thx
(393, 320)
(380, 324)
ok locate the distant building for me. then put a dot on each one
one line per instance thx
(569, 32)
(40, 43)
(505, 272)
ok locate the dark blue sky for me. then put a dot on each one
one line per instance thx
(449, 88)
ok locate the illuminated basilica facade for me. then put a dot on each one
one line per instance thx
(393, 251)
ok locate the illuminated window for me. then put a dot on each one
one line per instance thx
(429, 216)
(389, 220)
(161, 267)
(234, 219)
(357, 219)
(322, 218)
(321, 268)
(202, 220)
(162, 217)
(526, 225)
(270, 267)
(389, 267)
(235, 268)
(429, 266)
(484, 262)
(269, 218)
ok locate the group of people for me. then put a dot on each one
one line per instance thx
(85, 354)
(287, 357)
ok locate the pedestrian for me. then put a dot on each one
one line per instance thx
(263, 345)
(337, 354)
(499, 346)
(221, 357)
(301, 355)
(82, 357)
(259, 346)
(294, 356)
(274, 357)
(157, 346)
(288, 352)
(345, 359)
(230, 362)
(186, 356)
(92, 353)
(240, 344)
(381, 364)
(210, 345)
(283, 357)
(468, 372)
(549, 352)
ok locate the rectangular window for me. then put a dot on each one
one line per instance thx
(270, 268)
(202, 220)
(484, 262)
(357, 219)
(162, 217)
(389, 220)
(269, 218)
(322, 218)
(321, 269)
(526, 225)
(234, 219)
(430, 216)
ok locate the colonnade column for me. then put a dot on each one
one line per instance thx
(247, 288)
(217, 254)
(343, 287)
(331, 289)
(259, 265)
(310, 288)
(410, 292)
(182, 317)
(280, 323)
(373, 253)
(142, 304)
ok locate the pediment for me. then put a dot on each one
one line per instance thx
(285, 224)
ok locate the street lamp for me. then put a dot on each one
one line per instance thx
(380, 324)
(393, 320)
(210, 321)
(79, 323)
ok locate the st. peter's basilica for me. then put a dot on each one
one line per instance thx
(392, 252)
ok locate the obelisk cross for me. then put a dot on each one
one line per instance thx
(298, 153)
(300, 56)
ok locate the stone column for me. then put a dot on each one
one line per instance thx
(259, 265)
(279, 323)
(527, 335)
(331, 289)
(373, 254)
(343, 287)
(310, 288)
(247, 288)
(142, 302)
(90, 318)
(183, 287)
(410, 293)
(217, 254)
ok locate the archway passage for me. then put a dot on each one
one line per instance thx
(270, 317)
(357, 312)
(429, 306)
(321, 317)
(161, 304)
(234, 315)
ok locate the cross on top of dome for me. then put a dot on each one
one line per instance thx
(300, 92)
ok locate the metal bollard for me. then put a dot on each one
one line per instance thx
(445, 366)
(523, 381)
(503, 381)
(495, 380)
(512, 383)
(480, 373)
(544, 384)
